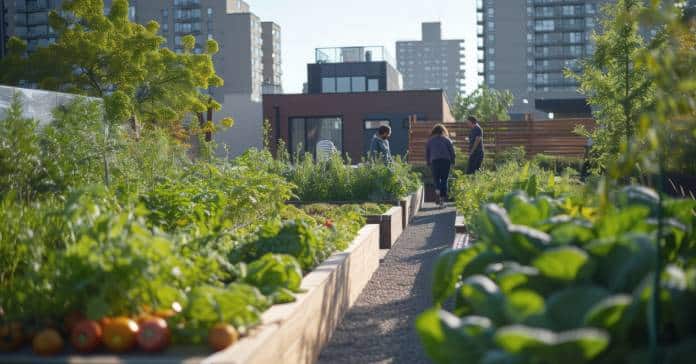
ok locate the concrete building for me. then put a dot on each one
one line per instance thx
(272, 70)
(524, 46)
(432, 62)
(240, 61)
(352, 69)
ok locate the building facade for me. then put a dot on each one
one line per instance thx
(272, 70)
(432, 62)
(524, 46)
(352, 69)
(350, 120)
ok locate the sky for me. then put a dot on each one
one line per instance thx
(309, 24)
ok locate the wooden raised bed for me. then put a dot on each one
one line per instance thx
(411, 204)
(390, 226)
(290, 333)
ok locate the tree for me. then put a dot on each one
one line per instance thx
(124, 63)
(485, 104)
(617, 87)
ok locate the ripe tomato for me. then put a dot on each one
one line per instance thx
(329, 223)
(47, 342)
(11, 336)
(154, 335)
(222, 336)
(86, 336)
(119, 334)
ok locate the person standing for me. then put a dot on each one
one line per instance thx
(439, 153)
(379, 147)
(325, 150)
(475, 146)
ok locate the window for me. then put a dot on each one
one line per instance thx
(375, 124)
(568, 10)
(544, 25)
(372, 84)
(358, 84)
(210, 12)
(491, 80)
(343, 84)
(328, 85)
(491, 66)
(305, 133)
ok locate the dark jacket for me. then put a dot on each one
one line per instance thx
(439, 147)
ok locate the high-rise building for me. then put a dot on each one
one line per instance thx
(432, 62)
(525, 45)
(272, 72)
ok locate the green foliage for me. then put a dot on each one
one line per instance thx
(486, 104)
(470, 192)
(556, 288)
(335, 180)
(618, 87)
(122, 62)
(21, 167)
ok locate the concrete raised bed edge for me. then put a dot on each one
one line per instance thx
(290, 333)
(296, 332)
(390, 226)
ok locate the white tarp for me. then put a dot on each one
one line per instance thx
(36, 104)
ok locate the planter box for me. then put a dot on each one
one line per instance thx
(390, 226)
(290, 333)
(411, 204)
(460, 225)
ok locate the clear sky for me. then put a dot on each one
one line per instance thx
(310, 24)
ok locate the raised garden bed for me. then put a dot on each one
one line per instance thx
(390, 226)
(289, 333)
(411, 204)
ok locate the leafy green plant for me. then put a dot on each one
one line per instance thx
(541, 286)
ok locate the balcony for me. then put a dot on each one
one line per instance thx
(353, 54)
(187, 4)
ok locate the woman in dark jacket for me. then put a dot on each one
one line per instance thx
(439, 152)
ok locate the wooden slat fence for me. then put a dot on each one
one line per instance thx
(551, 137)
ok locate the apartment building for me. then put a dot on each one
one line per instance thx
(432, 62)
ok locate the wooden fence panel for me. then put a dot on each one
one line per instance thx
(552, 137)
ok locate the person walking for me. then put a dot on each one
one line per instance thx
(439, 154)
(379, 147)
(475, 146)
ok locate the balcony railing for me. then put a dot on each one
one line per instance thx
(353, 54)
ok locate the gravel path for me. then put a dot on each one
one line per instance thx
(379, 328)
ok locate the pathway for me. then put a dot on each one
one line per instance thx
(379, 328)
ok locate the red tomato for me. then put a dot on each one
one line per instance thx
(47, 342)
(154, 335)
(119, 334)
(222, 336)
(86, 336)
(329, 223)
(11, 336)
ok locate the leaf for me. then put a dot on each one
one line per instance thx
(273, 272)
(521, 304)
(449, 339)
(563, 264)
(566, 308)
(576, 346)
(484, 297)
(448, 271)
(610, 314)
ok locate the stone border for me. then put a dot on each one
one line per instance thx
(290, 333)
